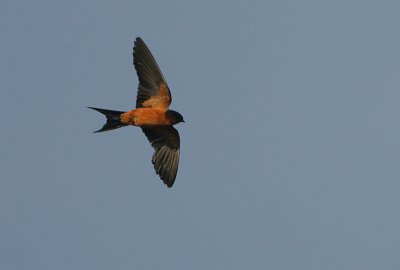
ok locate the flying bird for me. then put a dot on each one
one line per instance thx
(152, 114)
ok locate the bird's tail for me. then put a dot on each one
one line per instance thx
(113, 119)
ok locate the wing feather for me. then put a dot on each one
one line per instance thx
(153, 91)
(166, 143)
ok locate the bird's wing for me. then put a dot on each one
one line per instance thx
(153, 91)
(165, 140)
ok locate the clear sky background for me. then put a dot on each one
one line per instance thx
(289, 154)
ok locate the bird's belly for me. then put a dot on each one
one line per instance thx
(143, 117)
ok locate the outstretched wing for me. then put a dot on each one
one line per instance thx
(153, 91)
(165, 140)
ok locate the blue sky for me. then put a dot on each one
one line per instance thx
(289, 154)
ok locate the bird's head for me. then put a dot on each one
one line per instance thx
(175, 117)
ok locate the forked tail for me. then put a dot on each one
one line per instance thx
(113, 119)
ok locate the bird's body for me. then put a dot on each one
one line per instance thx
(152, 114)
(146, 116)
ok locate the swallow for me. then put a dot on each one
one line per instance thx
(152, 114)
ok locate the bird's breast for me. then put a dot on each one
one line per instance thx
(145, 117)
